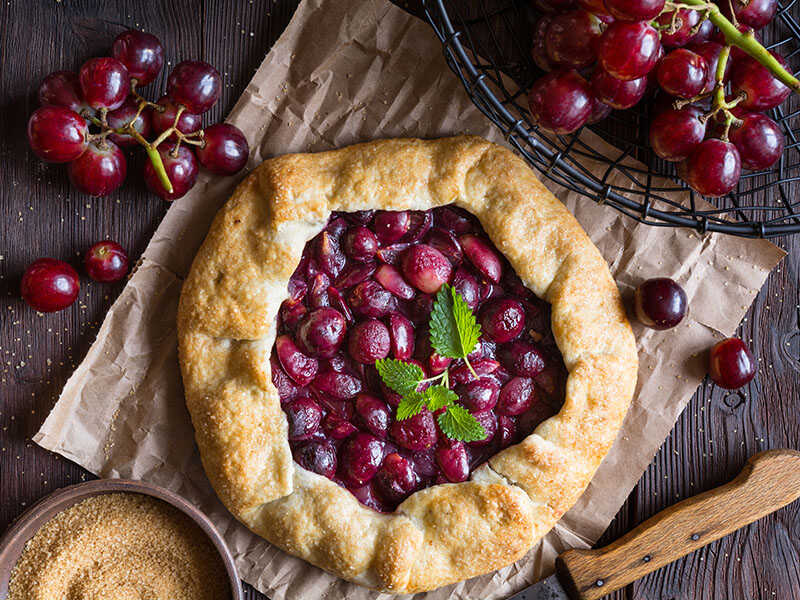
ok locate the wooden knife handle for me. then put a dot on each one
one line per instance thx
(769, 481)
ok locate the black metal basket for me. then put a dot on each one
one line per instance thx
(487, 44)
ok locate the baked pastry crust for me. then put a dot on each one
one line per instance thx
(226, 329)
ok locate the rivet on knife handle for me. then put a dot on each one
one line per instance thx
(769, 480)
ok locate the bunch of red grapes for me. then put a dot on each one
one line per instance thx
(609, 54)
(86, 118)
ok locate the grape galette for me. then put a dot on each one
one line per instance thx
(404, 360)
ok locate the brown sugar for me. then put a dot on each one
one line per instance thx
(119, 546)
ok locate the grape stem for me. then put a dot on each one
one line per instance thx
(721, 108)
(746, 41)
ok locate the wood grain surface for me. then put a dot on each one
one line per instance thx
(43, 216)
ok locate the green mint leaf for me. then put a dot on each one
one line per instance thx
(458, 424)
(453, 328)
(410, 405)
(439, 396)
(399, 376)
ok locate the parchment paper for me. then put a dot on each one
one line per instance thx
(343, 72)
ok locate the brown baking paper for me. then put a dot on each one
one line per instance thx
(344, 72)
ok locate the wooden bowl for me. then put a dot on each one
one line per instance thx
(24, 528)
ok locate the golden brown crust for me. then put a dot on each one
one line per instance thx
(226, 324)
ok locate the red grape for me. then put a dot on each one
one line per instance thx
(713, 168)
(599, 111)
(124, 115)
(762, 90)
(634, 10)
(710, 52)
(571, 39)
(675, 133)
(682, 73)
(596, 7)
(141, 53)
(105, 83)
(685, 21)
(704, 33)
(224, 150)
(181, 169)
(561, 101)
(188, 122)
(100, 170)
(660, 303)
(49, 285)
(615, 92)
(755, 13)
(194, 84)
(628, 50)
(538, 51)
(62, 89)
(731, 365)
(57, 134)
(106, 261)
(759, 140)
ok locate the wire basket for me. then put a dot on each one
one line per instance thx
(487, 44)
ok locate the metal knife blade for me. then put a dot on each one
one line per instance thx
(547, 589)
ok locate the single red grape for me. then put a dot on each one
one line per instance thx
(713, 168)
(759, 140)
(106, 261)
(660, 303)
(762, 91)
(571, 39)
(224, 150)
(682, 73)
(674, 133)
(710, 52)
(141, 53)
(599, 111)
(105, 83)
(62, 89)
(704, 32)
(538, 51)
(188, 122)
(628, 50)
(754, 13)
(100, 170)
(57, 134)
(616, 92)
(181, 169)
(194, 84)
(677, 33)
(634, 10)
(49, 285)
(561, 101)
(124, 115)
(731, 365)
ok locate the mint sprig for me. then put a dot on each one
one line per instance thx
(454, 333)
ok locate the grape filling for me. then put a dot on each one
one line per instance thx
(364, 291)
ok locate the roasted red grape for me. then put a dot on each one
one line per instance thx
(100, 170)
(759, 140)
(49, 285)
(181, 169)
(561, 101)
(105, 83)
(224, 150)
(678, 26)
(634, 10)
(141, 53)
(660, 303)
(731, 365)
(628, 50)
(194, 84)
(682, 73)
(571, 38)
(674, 133)
(762, 91)
(62, 89)
(125, 114)
(187, 123)
(713, 168)
(616, 92)
(57, 134)
(106, 261)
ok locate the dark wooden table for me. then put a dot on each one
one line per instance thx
(43, 216)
